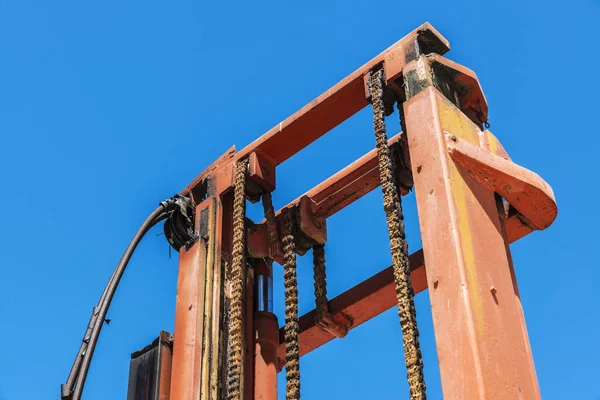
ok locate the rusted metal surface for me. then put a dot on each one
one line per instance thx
(339, 324)
(458, 83)
(309, 222)
(150, 370)
(481, 338)
(291, 328)
(237, 353)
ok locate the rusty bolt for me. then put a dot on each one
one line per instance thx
(493, 290)
(435, 283)
(453, 138)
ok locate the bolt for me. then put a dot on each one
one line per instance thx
(435, 283)
(493, 290)
(453, 138)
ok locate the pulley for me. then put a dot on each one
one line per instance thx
(179, 225)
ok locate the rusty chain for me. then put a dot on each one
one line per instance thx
(269, 212)
(235, 371)
(399, 247)
(339, 326)
(291, 329)
(320, 277)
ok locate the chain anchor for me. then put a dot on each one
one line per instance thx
(339, 324)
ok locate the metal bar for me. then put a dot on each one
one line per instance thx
(165, 358)
(222, 230)
(483, 350)
(523, 189)
(207, 229)
(189, 306)
(334, 106)
(249, 335)
(198, 315)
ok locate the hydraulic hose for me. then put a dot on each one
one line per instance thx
(73, 388)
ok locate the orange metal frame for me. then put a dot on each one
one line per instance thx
(460, 172)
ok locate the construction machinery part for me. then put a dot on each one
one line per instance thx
(266, 332)
(150, 370)
(339, 324)
(235, 381)
(465, 245)
(290, 281)
(392, 206)
(472, 202)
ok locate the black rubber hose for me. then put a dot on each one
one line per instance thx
(81, 365)
(67, 388)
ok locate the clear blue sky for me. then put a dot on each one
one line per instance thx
(108, 107)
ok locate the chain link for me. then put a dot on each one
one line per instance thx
(235, 385)
(399, 247)
(269, 213)
(291, 329)
(320, 277)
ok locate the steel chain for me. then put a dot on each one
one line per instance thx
(291, 329)
(269, 213)
(235, 370)
(320, 276)
(399, 247)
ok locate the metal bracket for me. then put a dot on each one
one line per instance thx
(525, 190)
(338, 324)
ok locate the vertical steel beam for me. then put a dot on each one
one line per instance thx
(189, 307)
(480, 332)
(198, 310)
(249, 335)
